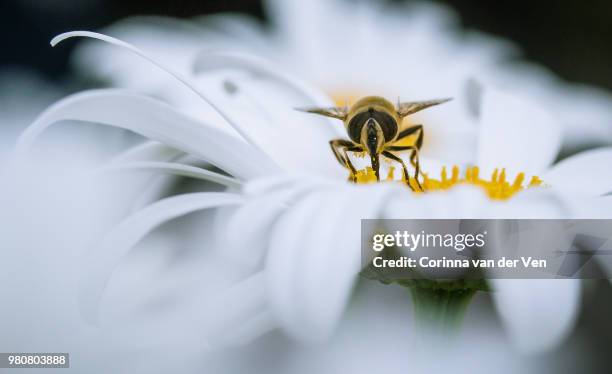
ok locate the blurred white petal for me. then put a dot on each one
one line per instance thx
(538, 313)
(238, 28)
(208, 99)
(103, 260)
(255, 220)
(245, 314)
(175, 169)
(171, 41)
(158, 121)
(587, 173)
(273, 95)
(516, 134)
(312, 265)
(459, 202)
(583, 112)
(210, 61)
(146, 187)
(147, 151)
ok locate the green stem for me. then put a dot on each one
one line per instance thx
(439, 306)
(440, 309)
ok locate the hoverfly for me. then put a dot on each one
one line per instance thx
(373, 125)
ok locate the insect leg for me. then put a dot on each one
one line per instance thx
(415, 152)
(411, 130)
(393, 157)
(344, 146)
(418, 143)
(348, 160)
(335, 144)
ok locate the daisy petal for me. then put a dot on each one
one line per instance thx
(243, 314)
(208, 61)
(156, 120)
(312, 263)
(147, 151)
(161, 185)
(236, 30)
(281, 181)
(146, 187)
(538, 313)
(176, 169)
(267, 209)
(459, 202)
(106, 257)
(516, 135)
(185, 81)
(536, 203)
(269, 101)
(588, 172)
(172, 42)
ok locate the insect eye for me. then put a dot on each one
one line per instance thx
(356, 124)
(387, 123)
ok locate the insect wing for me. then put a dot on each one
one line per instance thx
(333, 112)
(407, 108)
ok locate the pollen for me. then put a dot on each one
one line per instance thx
(497, 187)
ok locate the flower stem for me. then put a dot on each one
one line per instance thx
(439, 306)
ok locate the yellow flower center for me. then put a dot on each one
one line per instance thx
(497, 187)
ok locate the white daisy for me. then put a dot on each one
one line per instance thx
(296, 235)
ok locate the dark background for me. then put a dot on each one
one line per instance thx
(574, 38)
